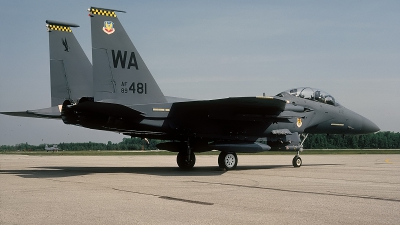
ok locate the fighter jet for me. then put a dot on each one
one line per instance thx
(128, 100)
(53, 148)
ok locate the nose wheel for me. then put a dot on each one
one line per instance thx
(297, 160)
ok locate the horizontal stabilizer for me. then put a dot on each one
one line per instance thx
(47, 113)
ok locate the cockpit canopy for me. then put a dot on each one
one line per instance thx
(313, 94)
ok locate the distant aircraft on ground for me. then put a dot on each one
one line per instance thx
(126, 99)
(53, 148)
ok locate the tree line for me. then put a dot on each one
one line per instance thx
(380, 140)
(125, 144)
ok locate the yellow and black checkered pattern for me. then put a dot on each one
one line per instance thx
(103, 12)
(59, 28)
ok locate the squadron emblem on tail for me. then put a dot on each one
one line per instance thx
(108, 27)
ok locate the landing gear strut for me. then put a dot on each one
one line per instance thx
(297, 160)
(185, 161)
(227, 160)
(186, 158)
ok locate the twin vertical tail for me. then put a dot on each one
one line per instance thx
(120, 74)
(71, 75)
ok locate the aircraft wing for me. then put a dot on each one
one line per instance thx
(238, 108)
(46, 113)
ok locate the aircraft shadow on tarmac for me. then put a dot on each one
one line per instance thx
(63, 171)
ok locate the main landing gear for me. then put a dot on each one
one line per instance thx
(227, 160)
(186, 160)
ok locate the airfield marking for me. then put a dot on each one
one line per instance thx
(388, 161)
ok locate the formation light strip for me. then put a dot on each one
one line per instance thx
(160, 110)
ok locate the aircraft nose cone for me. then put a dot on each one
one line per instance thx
(368, 126)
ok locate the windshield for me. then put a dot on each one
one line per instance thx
(313, 94)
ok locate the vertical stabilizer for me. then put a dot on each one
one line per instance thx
(119, 73)
(71, 75)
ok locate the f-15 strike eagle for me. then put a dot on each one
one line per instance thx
(53, 148)
(123, 97)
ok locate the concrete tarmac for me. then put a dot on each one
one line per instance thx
(264, 189)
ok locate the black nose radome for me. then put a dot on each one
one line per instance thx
(368, 126)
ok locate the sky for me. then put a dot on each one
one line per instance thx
(212, 49)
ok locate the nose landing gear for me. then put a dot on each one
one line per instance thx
(297, 160)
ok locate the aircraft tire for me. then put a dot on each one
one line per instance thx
(227, 160)
(297, 161)
(181, 160)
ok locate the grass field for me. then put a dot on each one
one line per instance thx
(156, 152)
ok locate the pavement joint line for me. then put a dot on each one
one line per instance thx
(303, 192)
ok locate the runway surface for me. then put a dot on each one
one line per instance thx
(265, 189)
